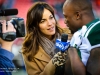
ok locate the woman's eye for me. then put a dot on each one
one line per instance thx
(42, 21)
(51, 17)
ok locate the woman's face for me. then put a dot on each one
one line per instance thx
(47, 24)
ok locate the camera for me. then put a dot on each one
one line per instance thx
(18, 24)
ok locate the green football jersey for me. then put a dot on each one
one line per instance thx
(93, 33)
(90, 40)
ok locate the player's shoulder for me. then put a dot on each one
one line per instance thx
(93, 33)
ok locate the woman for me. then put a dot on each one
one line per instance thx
(38, 47)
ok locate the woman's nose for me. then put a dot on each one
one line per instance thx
(49, 22)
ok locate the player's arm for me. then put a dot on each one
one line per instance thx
(93, 64)
(77, 66)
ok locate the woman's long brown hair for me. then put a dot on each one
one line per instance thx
(34, 16)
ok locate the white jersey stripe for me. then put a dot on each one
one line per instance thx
(91, 28)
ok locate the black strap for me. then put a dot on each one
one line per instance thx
(60, 70)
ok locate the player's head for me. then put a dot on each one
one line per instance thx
(76, 12)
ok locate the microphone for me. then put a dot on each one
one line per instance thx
(8, 12)
(62, 44)
(64, 37)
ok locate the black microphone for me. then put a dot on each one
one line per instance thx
(8, 12)
(64, 38)
(61, 69)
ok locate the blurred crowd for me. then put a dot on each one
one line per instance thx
(6, 4)
(57, 4)
(96, 6)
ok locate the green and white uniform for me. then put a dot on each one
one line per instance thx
(90, 40)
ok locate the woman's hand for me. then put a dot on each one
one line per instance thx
(59, 58)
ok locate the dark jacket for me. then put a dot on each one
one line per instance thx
(6, 64)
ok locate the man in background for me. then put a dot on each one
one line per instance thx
(6, 57)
